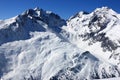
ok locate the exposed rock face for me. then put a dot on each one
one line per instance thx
(98, 30)
(39, 45)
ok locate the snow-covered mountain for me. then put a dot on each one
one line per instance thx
(39, 45)
(97, 32)
(19, 27)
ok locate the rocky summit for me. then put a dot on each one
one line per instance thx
(40, 45)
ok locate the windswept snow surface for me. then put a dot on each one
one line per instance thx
(39, 45)
(109, 79)
(97, 32)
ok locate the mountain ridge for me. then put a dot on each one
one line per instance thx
(99, 28)
(39, 45)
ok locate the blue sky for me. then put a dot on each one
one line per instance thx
(65, 8)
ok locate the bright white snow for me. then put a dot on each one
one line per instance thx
(37, 45)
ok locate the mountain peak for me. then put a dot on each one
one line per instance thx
(36, 45)
(104, 10)
(47, 17)
(79, 14)
(29, 21)
(37, 8)
(100, 27)
(33, 12)
(38, 12)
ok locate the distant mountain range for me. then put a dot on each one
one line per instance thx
(39, 45)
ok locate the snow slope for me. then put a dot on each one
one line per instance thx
(45, 56)
(38, 45)
(97, 32)
(109, 79)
